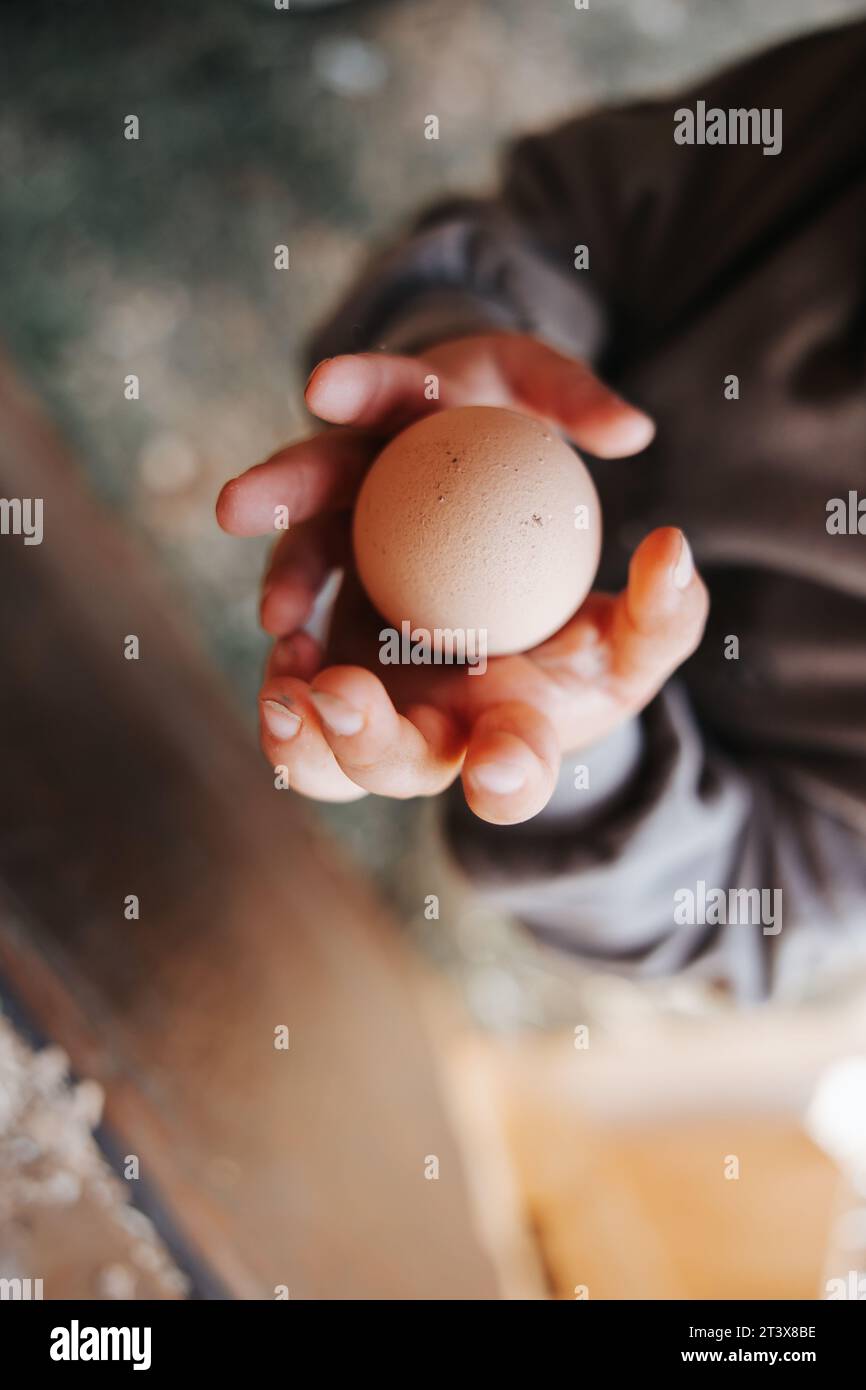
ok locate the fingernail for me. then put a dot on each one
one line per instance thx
(640, 428)
(685, 566)
(337, 714)
(283, 655)
(501, 778)
(281, 723)
(319, 364)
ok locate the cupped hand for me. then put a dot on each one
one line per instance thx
(342, 723)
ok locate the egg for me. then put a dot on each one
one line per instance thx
(482, 520)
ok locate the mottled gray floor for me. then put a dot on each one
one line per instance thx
(260, 127)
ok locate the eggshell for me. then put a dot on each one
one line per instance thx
(470, 519)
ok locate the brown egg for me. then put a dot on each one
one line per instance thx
(478, 519)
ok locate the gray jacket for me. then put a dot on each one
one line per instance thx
(706, 261)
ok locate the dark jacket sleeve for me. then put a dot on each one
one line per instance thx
(648, 211)
(743, 872)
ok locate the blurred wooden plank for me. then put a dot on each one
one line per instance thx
(305, 1167)
(664, 1222)
(622, 1153)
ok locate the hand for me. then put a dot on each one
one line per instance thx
(356, 726)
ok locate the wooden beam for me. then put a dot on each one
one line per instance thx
(303, 1167)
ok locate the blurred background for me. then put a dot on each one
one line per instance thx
(306, 127)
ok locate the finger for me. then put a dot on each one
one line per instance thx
(318, 474)
(511, 764)
(659, 618)
(300, 563)
(376, 390)
(298, 655)
(291, 738)
(570, 393)
(416, 754)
